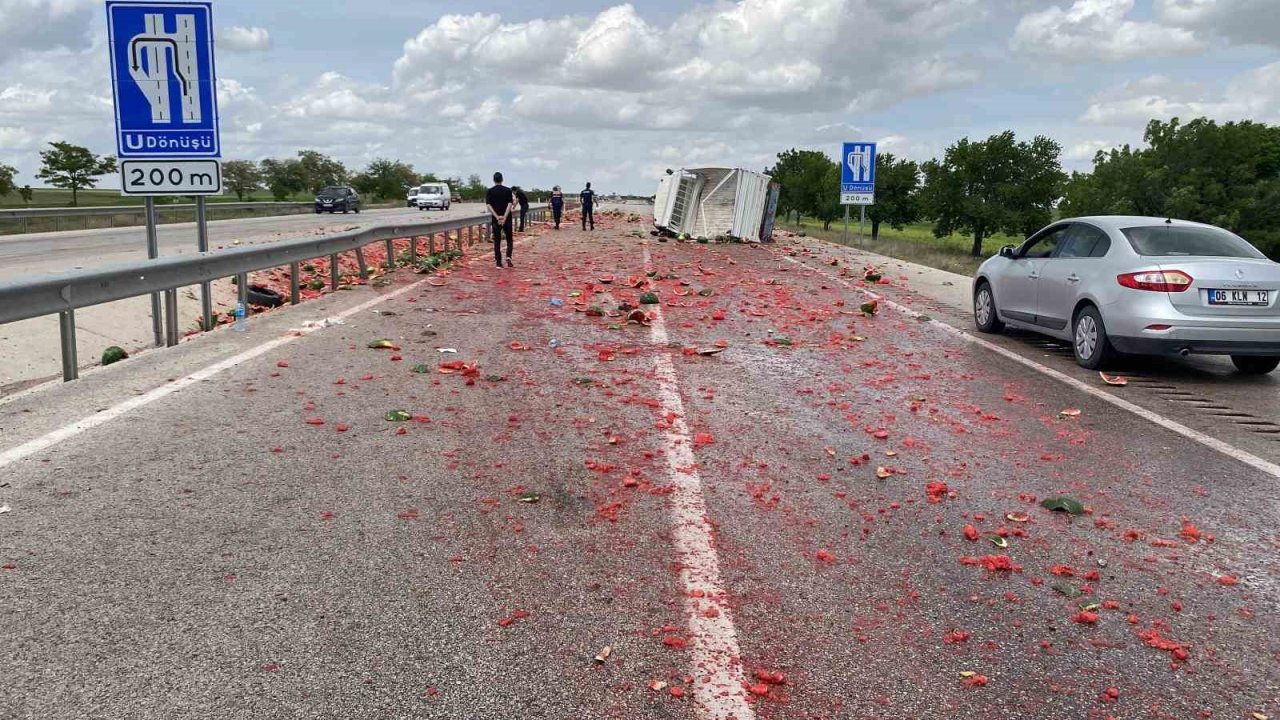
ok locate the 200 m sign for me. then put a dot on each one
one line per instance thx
(170, 177)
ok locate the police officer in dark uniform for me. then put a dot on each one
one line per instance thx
(588, 198)
(557, 205)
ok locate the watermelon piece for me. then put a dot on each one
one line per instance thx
(113, 354)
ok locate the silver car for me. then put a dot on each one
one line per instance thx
(1147, 286)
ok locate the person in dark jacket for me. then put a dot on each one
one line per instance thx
(500, 202)
(524, 205)
(557, 205)
(588, 198)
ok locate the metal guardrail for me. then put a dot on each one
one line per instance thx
(64, 293)
(111, 212)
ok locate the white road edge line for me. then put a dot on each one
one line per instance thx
(1212, 443)
(31, 447)
(713, 640)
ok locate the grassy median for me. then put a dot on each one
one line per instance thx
(913, 243)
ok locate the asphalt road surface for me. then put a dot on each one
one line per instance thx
(1202, 391)
(22, 255)
(838, 516)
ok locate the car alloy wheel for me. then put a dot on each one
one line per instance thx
(1086, 337)
(982, 306)
(985, 315)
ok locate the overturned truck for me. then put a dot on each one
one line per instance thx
(716, 203)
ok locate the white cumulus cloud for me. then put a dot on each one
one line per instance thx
(244, 39)
(1098, 30)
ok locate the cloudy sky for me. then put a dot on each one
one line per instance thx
(569, 91)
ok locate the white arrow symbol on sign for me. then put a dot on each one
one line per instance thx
(860, 164)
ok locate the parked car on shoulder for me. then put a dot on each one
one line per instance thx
(433, 196)
(1115, 285)
(337, 198)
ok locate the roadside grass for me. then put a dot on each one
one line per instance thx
(913, 243)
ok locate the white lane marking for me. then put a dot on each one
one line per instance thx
(1208, 441)
(31, 447)
(713, 641)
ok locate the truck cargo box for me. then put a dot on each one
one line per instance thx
(716, 202)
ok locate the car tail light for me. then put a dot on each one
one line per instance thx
(1157, 280)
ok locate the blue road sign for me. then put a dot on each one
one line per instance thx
(162, 76)
(858, 168)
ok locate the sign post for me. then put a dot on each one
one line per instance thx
(153, 252)
(164, 83)
(857, 181)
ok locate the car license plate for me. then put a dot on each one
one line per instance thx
(1239, 297)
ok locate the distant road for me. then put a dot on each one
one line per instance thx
(23, 255)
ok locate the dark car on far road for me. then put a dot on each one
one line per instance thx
(337, 198)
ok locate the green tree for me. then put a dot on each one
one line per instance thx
(825, 197)
(385, 179)
(6, 179)
(319, 170)
(897, 203)
(473, 190)
(1226, 175)
(283, 177)
(993, 185)
(802, 174)
(73, 168)
(242, 177)
(26, 193)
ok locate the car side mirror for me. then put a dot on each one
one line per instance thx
(1007, 252)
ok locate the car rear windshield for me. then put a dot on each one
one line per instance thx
(1188, 241)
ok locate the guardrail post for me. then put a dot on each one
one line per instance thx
(364, 269)
(471, 238)
(153, 252)
(391, 255)
(431, 243)
(295, 292)
(334, 278)
(171, 317)
(67, 327)
(242, 292)
(413, 250)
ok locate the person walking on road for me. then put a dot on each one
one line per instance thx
(524, 205)
(588, 198)
(557, 205)
(500, 202)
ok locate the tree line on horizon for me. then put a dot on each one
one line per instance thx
(1224, 174)
(75, 168)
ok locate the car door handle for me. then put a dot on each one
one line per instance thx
(1034, 275)
(1073, 278)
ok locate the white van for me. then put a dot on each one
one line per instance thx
(433, 196)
